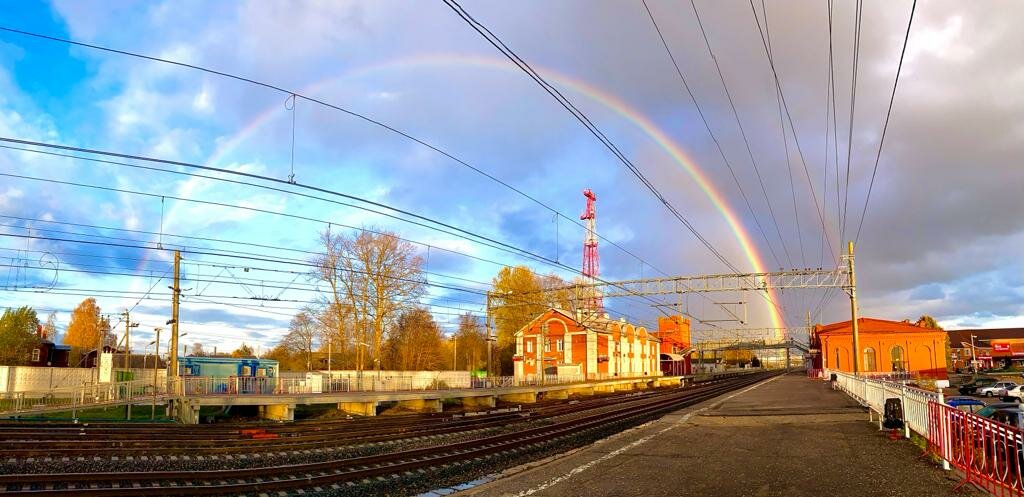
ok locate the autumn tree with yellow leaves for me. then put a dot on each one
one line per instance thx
(88, 328)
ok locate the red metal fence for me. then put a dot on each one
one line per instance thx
(989, 453)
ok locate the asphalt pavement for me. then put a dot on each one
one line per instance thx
(788, 436)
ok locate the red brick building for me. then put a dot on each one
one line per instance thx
(592, 347)
(886, 346)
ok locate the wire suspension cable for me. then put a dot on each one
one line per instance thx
(885, 127)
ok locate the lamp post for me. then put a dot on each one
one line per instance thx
(974, 359)
(156, 359)
(184, 346)
(455, 352)
(359, 361)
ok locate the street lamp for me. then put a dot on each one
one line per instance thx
(184, 351)
(974, 360)
(359, 360)
(455, 352)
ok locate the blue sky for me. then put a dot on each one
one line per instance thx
(943, 219)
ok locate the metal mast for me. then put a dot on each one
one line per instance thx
(591, 262)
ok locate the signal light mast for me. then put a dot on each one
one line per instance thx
(591, 264)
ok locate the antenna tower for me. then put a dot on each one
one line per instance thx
(591, 261)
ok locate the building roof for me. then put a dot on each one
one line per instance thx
(601, 324)
(221, 360)
(982, 336)
(872, 325)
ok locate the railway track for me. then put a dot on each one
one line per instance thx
(109, 442)
(327, 475)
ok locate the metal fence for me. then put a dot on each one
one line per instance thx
(989, 453)
(83, 397)
(368, 382)
(873, 393)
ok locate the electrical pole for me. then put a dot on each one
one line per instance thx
(156, 360)
(128, 325)
(487, 319)
(853, 312)
(175, 295)
(127, 357)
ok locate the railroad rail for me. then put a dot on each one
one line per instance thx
(323, 474)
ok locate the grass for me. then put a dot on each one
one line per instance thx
(109, 413)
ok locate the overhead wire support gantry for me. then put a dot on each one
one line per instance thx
(731, 282)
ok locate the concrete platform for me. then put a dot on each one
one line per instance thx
(787, 436)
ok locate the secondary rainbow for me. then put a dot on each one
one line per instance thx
(610, 101)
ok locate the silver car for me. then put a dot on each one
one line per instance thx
(998, 389)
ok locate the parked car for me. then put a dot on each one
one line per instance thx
(997, 389)
(989, 410)
(968, 404)
(1015, 393)
(971, 388)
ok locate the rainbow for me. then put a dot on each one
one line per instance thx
(608, 100)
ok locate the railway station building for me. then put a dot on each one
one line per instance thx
(558, 342)
(886, 346)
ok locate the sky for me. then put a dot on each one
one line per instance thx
(941, 234)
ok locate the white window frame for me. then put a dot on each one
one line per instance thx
(36, 353)
(529, 346)
(560, 344)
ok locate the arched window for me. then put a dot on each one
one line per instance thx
(897, 358)
(869, 360)
(838, 365)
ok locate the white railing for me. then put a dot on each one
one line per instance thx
(83, 397)
(370, 381)
(873, 393)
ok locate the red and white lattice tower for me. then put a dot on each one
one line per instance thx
(591, 261)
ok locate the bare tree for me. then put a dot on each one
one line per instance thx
(303, 333)
(472, 344)
(414, 343)
(373, 275)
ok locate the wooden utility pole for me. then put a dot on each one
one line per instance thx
(175, 295)
(853, 312)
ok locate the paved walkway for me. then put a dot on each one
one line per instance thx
(788, 436)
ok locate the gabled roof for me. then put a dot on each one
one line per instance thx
(537, 319)
(872, 325)
(598, 325)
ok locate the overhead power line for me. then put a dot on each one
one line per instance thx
(714, 138)
(583, 119)
(858, 19)
(293, 95)
(739, 123)
(419, 220)
(792, 127)
(888, 114)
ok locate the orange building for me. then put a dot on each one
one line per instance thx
(886, 346)
(675, 347)
(592, 348)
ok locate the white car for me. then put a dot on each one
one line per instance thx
(997, 389)
(1013, 393)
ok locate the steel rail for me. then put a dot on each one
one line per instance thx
(329, 472)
